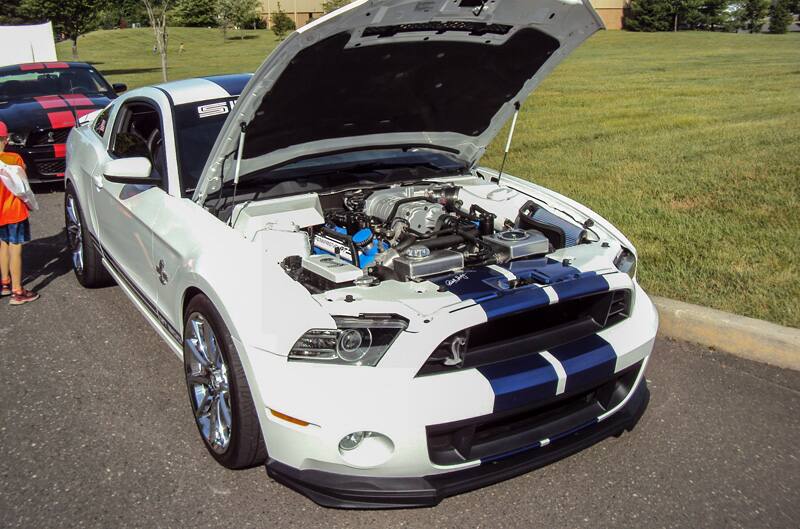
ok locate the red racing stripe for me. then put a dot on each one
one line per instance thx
(60, 150)
(56, 65)
(51, 102)
(77, 100)
(31, 66)
(83, 111)
(62, 119)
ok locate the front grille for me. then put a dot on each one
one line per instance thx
(531, 331)
(51, 167)
(473, 28)
(497, 435)
(43, 137)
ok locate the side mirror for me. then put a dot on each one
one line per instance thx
(137, 170)
(119, 87)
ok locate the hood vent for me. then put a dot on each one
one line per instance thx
(473, 28)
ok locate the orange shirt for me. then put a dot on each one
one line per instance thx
(12, 209)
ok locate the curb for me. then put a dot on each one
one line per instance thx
(749, 338)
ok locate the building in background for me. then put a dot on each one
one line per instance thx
(304, 11)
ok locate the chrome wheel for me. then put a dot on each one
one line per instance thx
(74, 233)
(207, 378)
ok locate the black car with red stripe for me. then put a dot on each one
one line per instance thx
(41, 102)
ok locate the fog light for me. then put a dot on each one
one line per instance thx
(351, 441)
(366, 449)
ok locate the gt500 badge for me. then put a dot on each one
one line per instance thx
(215, 109)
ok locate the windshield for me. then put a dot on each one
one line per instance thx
(197, 126)
(27, 84)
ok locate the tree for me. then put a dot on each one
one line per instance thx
(9, 15)
(673, 15)
(750, 15)
(73, 17)
(236, 13)
(333, 5)
(780, 17)
(196, 13)
(157, 14)
(281, 23)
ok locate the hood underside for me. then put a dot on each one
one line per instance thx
(443, 73)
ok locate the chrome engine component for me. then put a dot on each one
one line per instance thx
(421, 215)
(331, 268)
(437, 262)
(516, 243)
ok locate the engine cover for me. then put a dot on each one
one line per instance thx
(420, 214)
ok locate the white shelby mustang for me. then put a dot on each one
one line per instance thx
(359, 306)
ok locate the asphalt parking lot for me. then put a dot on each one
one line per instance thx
(96, 431)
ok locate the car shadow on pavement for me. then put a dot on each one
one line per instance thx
(45, 260)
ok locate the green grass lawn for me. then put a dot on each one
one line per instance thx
(688, 142)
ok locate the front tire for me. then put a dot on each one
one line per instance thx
(86, 260)
(218, 392)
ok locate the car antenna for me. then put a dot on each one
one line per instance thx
(508, 142)
(238, 168)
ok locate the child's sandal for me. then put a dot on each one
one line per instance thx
(6, 288)
(22, 296)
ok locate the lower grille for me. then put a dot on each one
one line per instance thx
(496, 435)
(51, 167)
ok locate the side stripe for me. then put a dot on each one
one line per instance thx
(586, 362)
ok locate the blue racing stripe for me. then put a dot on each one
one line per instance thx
(233, 84)
(588, 362)
(520, 381)
(515, 301)
(589, 283)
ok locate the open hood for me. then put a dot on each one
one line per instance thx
(381, 73)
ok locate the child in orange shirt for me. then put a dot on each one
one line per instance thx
(14, 232)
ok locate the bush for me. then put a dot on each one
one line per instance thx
(281, 23)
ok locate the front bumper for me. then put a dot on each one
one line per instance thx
(43, 163)
(366, 492)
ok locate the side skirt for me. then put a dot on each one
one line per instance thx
(167, 333)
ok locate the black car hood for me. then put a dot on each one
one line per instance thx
(48, 112)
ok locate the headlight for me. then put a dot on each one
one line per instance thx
(17, 138)
(626, 262)
(355, 341)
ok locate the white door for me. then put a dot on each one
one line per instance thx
(126, 212)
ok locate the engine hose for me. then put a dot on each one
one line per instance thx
(443, 241)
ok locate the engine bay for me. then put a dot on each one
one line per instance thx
(410, 233)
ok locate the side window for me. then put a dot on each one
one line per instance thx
(101, 122)
(137, 132)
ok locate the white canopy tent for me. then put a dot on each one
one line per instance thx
(20, 44)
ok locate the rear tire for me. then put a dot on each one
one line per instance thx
(86, 260)
(219, 395)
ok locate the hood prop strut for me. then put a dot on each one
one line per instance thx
(508, 142)
(238, 167)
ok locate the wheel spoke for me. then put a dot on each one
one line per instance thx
(197, 353)
(71, 213)
(200, 379)
(225, 408)
(204, 408)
